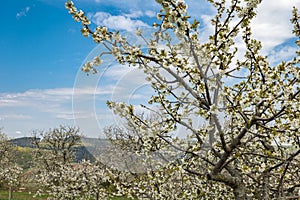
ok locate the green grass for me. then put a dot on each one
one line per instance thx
(20, 196)
(27, 196)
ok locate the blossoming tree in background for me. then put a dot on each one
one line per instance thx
(54, 154)
(59, 176)
(10, 172)
(249, 146)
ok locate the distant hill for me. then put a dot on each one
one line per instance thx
(88, 148)
(95, 145)
(82, 153)
(23, 142)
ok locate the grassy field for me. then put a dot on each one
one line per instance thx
(20, 196)
(27, 196)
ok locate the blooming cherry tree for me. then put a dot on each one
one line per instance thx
(248, 145)
(53, 157)
(10, 172)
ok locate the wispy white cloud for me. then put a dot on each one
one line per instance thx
(134, 14)
(139, 13)
(40, 109)
(40, 98)
(272, 25)
(14, 116)
(55, 103)
(282, 54)
(23, 12)
(120, 22)
(65, 115)
(150, 13)
(34, 97)
(19, 132)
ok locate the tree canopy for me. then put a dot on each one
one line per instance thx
(248, 145)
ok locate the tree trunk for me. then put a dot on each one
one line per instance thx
(265, 187)
(10, 193)
(239, 192)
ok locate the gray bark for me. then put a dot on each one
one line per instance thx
(10, 193)
(239, 192)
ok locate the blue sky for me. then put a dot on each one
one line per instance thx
(42, 51)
